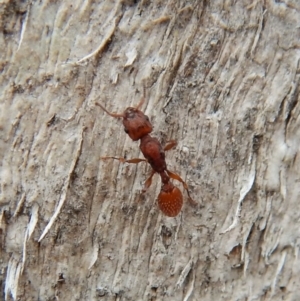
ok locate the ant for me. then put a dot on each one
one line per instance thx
(138, 127)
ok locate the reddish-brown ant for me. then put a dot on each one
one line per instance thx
(138, 127)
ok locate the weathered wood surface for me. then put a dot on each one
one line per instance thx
(222, 77)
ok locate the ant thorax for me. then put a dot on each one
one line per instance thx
(154, 153)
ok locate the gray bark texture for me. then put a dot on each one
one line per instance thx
(221, 77)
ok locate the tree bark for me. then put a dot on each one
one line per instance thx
(221, 78)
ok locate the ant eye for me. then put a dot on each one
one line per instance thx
(125, 130)
(147, 118)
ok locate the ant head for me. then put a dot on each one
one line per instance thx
(136, 123)
(170, 200)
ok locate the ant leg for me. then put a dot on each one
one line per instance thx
(170, 144)
(148, 182)
(123, 160)
(111, 114)
(175, 176)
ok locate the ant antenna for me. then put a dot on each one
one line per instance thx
(142, 99)
(111, 114)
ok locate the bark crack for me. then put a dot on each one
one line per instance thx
(65, 188)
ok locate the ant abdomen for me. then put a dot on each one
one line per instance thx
(170, 201)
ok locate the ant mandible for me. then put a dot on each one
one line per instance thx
(138, 127)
